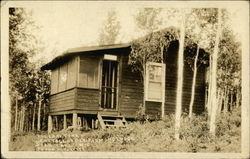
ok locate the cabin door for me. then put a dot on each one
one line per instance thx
(109, 85)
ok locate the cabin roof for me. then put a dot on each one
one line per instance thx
(78, 50)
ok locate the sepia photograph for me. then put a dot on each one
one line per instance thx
(124, 79)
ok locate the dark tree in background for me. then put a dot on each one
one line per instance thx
(110, 29)
(29, 87)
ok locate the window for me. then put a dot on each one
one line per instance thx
(88, 72)
(155, 78)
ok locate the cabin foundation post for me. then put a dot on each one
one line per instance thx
(56, 123)
(50, 124)
(64, 122)
(74, 121)
(96, 123)
(92, 123)
(79, 122)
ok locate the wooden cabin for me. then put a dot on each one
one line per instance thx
(86, 81)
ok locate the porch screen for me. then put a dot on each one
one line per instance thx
(54, 81)
(63, 77)
(88, 75)
(72, 73)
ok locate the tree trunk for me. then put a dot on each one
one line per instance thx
(193, 83)
(34, 116)
(226, 100)
(231, 100)
(163, 85)
(18, 121)
(238, 98)
(16, 113)
(22, 118)
(214, 78)
(221, 97)
(144, 83)
(180, 79)
(30, 119)
(39, 114)
(209, 87)
(44, 113)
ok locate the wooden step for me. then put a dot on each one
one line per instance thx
(105, 120)
(111, 121)
(111, 116)
(109, 125)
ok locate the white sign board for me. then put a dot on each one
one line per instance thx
(110, 57)
(155, 82)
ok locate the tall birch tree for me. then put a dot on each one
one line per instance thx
(180, 77)
(213, 98)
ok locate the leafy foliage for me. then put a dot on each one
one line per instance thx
(148, 20)
(27, 82)
(148, 48)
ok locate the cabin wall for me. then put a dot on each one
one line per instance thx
(131, 90)
(171, 77)
(62, 101)
(171, 83)
(199, 100)
(87, 100)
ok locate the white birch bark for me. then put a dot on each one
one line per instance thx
(16, 113)
(193, 83)
(214, 78)
(34, 116)
(180, 79)
(39, 114)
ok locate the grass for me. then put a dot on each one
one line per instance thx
(157, 136)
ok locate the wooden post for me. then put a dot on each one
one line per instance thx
(56, 123)
(74, 121)
(96, 123)
(64, 122)
(79, 121)
(92, 123)
(50, 124)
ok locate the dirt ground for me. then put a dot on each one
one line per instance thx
(23, 142)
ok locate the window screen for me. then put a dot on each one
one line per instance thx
(54, 81)
(71, 81)
(88, 76)
(63, 77)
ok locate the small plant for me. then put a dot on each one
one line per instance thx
(141, 115)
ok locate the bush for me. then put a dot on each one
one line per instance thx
(156, 136)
